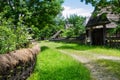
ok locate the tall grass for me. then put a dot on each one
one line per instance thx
(53, 65)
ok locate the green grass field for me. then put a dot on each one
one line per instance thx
(53, 65)
(92, 49)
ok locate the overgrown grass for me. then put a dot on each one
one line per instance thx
(53, 65)
(91, 49)
(111, 66)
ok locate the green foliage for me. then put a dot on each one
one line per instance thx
(68, 32)
(12, 38)
(37, 13)
(10, 41)
(47, 19)
(35, 32)
(22, 37)
(75, 27)
(49, 30)
(118, 28)
(7, 40)
(114, 30)
(59, 20)
(19, 15)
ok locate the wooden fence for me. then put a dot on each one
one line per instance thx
(113, 42)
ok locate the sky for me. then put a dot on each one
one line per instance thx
(76, 7)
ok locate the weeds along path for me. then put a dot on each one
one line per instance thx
(98, 72)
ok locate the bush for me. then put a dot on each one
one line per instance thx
(21, 37)
(12, 39)
(7, 40)
(68, 33)
(12, 35)
(35, 32)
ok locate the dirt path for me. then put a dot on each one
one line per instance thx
(97, 72)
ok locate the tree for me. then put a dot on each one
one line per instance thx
(59, 21)
(17, 17)
(76, 26)
(37, 13)
(47, 18)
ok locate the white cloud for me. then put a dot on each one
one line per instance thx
(78, 11)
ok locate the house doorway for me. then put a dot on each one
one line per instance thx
(97, 37)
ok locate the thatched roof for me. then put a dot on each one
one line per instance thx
(105, 17)
(98, 20)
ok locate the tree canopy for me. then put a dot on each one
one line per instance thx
(74, 26)
(37, 13)
(19, 17)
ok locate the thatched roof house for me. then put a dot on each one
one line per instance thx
(99, 23)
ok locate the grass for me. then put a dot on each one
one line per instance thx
(88, 52)
(53, 65)
(106, 51)
(91, 49)
(111, 66)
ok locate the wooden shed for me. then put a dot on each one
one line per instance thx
(98, 26)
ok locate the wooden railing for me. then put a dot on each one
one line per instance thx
(113, 42)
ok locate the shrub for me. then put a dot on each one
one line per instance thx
(21, 37)
(11, 39)
(7, 40)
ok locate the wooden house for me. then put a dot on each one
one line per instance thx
(98, 26)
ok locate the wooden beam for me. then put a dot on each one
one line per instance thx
(90, 34)
(104, 34)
